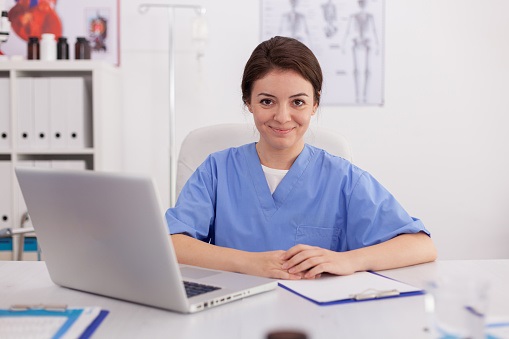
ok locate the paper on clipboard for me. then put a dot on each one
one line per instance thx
(43, 323)
(359, 286)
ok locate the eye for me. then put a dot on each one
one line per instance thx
(298, 102)
(266, 102)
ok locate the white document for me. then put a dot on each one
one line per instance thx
(25, 135)
(31, 327)
(5, 194)
(41, 112)
(59, 103)
(5, 114)
(359, 286)
(78, 114)
(35, 324)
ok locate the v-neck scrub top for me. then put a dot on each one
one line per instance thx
(323, 200)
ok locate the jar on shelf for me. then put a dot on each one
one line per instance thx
(33, 51)
(81, 48)
(48, 47)
(62, 49)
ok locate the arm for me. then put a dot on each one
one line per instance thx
(191, 251)
(400, 251)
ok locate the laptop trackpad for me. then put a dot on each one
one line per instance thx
(196, 273)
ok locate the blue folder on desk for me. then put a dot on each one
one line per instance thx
(360, 286)
(74, 322)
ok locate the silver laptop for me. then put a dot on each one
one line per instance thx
(105, 233)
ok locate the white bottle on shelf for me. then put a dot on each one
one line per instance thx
(48, 47)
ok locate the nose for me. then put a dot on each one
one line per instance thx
(282, 114)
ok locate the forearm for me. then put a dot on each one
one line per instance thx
(403, 250)
(191, 251)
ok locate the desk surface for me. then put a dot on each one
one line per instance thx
(254, 317)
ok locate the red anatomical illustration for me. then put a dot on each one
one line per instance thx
(34, 17)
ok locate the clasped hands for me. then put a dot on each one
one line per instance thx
(303, 262)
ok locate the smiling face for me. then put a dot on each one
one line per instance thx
(282, 104)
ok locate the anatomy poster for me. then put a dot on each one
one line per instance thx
(347, 37)
(96, 20)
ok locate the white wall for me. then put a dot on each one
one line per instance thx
(439, 142)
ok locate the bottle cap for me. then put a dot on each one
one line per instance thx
(81, 39)
(286, 335)
(62, 39)
(48, 36)
(33, 39)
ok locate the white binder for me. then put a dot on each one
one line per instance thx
(59, 103)
(22, 207)
(70, 113)
(42, 163)
(25, 131)
(41, 112)
(78, 114)
(5, 194)
(69, 164)
(5, 114)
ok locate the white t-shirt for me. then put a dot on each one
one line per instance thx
(273, 176)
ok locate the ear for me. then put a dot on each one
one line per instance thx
(248, 105)
(315, 107)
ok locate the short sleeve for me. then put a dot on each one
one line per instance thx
(194, 212)
(375, 216)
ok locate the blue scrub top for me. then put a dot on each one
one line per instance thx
(323, 200)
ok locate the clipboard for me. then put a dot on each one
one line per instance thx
(358, 287)
(57, 321)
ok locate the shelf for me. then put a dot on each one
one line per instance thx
(88, 86)
(57, 65)
(54, 151)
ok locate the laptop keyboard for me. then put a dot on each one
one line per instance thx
(194, 289)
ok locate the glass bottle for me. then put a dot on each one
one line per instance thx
(33, 52)
(62, 49)
(81, 49)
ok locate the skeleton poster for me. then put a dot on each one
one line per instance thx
(347, 37)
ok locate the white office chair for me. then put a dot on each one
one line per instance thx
(200, 142)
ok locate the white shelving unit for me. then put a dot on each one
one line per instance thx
(104, 150)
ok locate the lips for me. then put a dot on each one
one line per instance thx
(281, 131)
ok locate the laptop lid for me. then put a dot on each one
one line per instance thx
(105, 233)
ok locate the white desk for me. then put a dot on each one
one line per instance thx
(254, 317)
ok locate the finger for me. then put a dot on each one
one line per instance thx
(300, 257)
(288, 276)
(311, 278)
(306, 265)
(316, 271)
(294, 250)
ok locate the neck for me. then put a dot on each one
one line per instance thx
(278, 158)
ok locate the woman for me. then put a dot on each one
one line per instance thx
(283, 209)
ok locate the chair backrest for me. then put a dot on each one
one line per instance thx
(201, 142)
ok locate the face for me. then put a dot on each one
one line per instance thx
(282, 104)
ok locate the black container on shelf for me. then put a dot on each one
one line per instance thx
(81, 49)
(33, 48)
(62, 49)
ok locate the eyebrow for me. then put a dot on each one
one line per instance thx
(291, 96)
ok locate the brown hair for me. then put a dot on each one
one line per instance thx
(281, 53)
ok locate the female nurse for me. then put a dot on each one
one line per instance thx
(281, 208)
